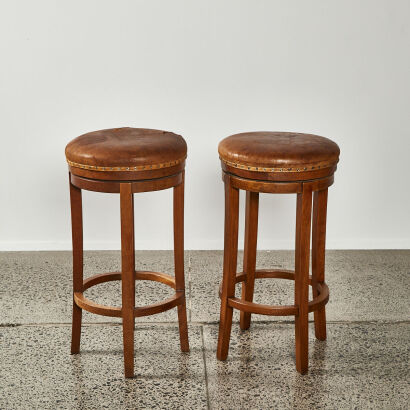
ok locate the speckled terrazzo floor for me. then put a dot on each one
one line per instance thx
(365, 363)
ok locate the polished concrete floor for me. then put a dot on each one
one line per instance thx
(365, 363)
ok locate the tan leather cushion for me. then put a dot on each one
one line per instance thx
(122, 149)
(278, 151)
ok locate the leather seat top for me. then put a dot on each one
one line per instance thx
(278, 152)
(126, 149)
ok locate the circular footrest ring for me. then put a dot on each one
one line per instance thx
(270, 310)
(87, 304)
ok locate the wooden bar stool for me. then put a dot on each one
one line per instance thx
(127, 161)
(279, 163)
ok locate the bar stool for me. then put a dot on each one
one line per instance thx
(127, 161)
(279, 163)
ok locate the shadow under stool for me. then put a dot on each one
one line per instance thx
(127, 161)
(276, 163)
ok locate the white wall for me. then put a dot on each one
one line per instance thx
(204, 69)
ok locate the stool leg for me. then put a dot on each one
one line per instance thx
(249, 255)
(302, 254)
(318, 256)
(229, 269)
(77, 238)
(127, 275)
(179, 261)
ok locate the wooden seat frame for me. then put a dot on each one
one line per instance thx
(128, 311)
(305, 190)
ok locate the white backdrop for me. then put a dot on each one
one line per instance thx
(204, 69)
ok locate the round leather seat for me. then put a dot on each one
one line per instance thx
(280, 156)
(126, 154)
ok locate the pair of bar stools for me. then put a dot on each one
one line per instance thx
(131, 160)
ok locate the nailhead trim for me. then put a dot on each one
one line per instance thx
(136, 168)
(300, 168)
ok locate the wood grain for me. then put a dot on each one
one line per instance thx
(127, 271)
(249, 255)
(318, 256)
(112, 187)
(77, 240)
(179, 261)
(229, 268)
(302, 256)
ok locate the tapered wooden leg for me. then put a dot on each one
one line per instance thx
(318, 256)
(127, 275)
(77, 238)
(179, 261)
(249, 255)
(229, 269)
(302, 254)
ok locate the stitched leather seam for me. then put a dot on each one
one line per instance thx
(298, 168)
(148, 167)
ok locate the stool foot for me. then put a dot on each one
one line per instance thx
(302, 348)
(225, 326)
(76, 329)
(183, 328)
(245, 320)
(320, 324)
(128, 343)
